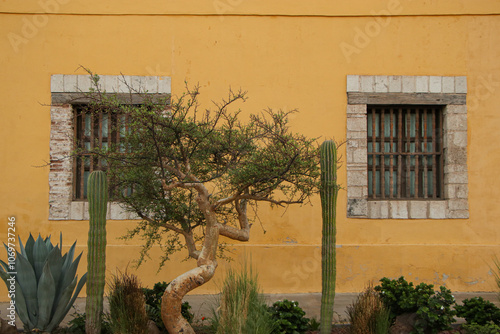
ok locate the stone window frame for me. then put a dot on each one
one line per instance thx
(67, 90)
(448, 91)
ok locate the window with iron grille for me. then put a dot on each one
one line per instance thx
(405, 152)
(93, 130)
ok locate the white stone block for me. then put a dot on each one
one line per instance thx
(409, 84)
(57, 83)
(151, 84)
(418, 209)
(395, 84)
(137, 83)
(367, 83)
(84, 83)
(353, 84)
(435, 84)
(437, 209)
(461, 85)
(125, 84)
(422, 84)
(76, 210)
(378, 209)
(448, 84)
(398, 209)
(70, 83)
(116, 212)
(381, 84)
(164, 85)
(109, 83)
(356, 109)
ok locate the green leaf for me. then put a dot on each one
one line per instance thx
(29, 249)
(46, 295)
(61, 306)
(22, 309)
(40, 253)
(28, 285)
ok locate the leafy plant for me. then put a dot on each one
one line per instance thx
(46, 282)
(433, 310)
(241, 306)
(369, 315)
(77, 324)
(437, 314)
(400, 296)
(488, 328)
(153, 304)
(127, 307)
(478, 311)
(290, 317)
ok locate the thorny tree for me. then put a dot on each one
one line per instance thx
(193, 174)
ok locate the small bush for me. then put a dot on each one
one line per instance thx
(402, 297)
(77, 324)
(433, 310)
(369, 315)
(436, 315)
(241, 308)
(127, 305)
(153, 305)
(488, 328)
(289, 317)
(478, 311)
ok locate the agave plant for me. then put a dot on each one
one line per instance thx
(44, 283)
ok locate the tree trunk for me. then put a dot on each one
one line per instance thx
(171, 303)
(172, 298)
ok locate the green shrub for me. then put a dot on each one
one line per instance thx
(369, 315)
(127, 307)
(77, 324)
(153, 305)
(478, 311)
(434, 312)
(437, 314)
(488, 328)
(241, 308)
(289, 317)
(402, 297)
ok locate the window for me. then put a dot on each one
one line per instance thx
(406, 152)
(92, 130)
(71, 125)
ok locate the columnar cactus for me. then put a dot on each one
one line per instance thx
(96, 258)
(328, 191)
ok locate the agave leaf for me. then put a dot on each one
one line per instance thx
(60, 240)
(56, 262)
(22, 310)
(68, 257)
(48, 244)
(40, 254)
(67, 278)
(28, 285)
(21, 246)
(61, 306)
(30, 243)
(5, 267)
(46, 295)
(79, 287)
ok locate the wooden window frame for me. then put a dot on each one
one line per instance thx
(449, 92)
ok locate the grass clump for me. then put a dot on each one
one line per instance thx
(127, 307)
(369, 315)
(242, 309)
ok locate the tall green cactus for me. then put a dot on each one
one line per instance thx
(328, 191)
(96, 258)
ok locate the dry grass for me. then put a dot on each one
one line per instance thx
(368, 315)
(127, 305)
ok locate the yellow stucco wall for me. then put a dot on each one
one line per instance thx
(286, 55)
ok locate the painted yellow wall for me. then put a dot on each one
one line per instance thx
(286, 55)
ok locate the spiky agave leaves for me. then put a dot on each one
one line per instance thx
(46, 284)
